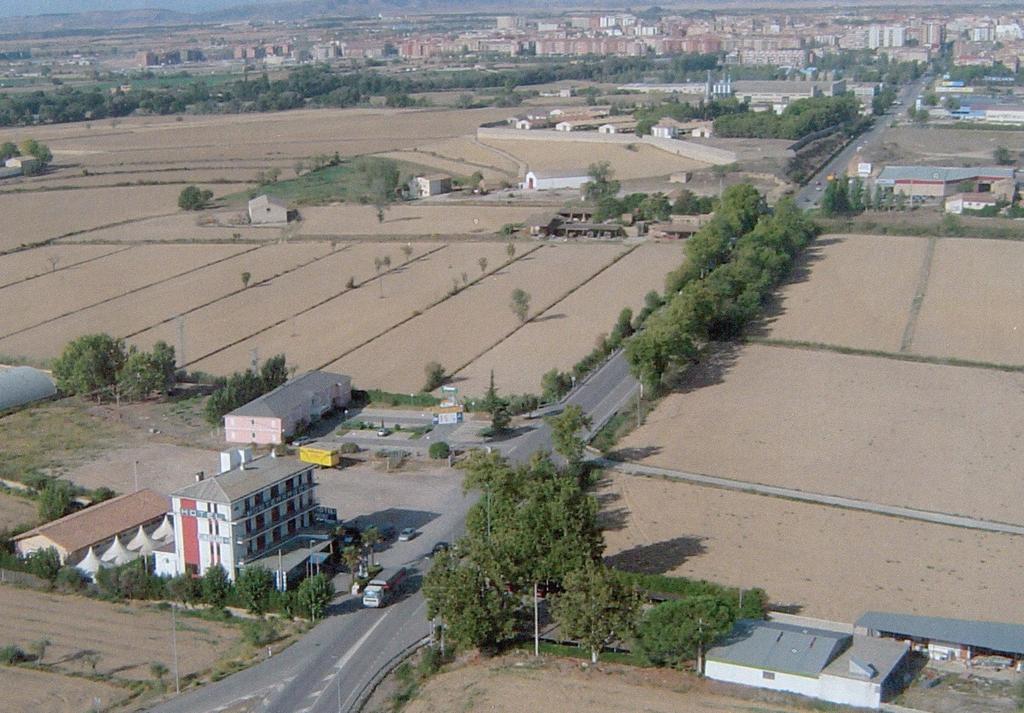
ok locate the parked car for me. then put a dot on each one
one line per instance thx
(383, 432)
(407, 534)
(440, 547)
(387, 532)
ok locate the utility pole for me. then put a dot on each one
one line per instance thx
(174, 648)
(136, 476)
(700, 647)
(639, 399)
(536, 622)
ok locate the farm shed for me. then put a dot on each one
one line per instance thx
(22, 385)
(948, 639)
(818, 663)
(273, 417)
(96, 526)
(551, 180)
(433, 185)
(939, 181)
(267, 210)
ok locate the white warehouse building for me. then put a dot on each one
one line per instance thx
(552, 180)
(827, 665)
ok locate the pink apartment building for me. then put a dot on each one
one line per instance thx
(273, 417)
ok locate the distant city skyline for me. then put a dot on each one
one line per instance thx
(13, 8)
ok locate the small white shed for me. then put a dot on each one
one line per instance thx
(267, 210)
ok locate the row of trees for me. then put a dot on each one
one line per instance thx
(799, 119)
(731, 266)
(243, 386)
(535, 530)
(102, 366)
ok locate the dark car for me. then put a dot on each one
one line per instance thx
(440, 547)
(388, 533)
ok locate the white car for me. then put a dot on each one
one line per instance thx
(406, 534)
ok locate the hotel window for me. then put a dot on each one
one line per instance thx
(768, 675)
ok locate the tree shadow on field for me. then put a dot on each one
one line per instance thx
(80, 655)
(709, 371)
(659, 557)
(548, 317)
(801, 272)
(608, 517)
(636, 454)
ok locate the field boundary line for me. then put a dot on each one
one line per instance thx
(129, 292)
(895, 356)
(69, 265)
(558, 301)
(225, 296)
(847, 503)
(419, 313)
(311, 307)
(923, 275)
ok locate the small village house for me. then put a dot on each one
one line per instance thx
(267, 210)
(430, 185)
(273, 417)
(959, 202)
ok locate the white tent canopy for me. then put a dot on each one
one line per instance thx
(117, 553)
(166, 530)
(143, 543)
(89, 565)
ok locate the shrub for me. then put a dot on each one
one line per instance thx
(194, 198)
(44, 564)
(439, 450)
(70, 579)
(11, 655)
(435, 376)
(259, 632)
(349, 447)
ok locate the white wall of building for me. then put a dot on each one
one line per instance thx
(849, 691)
(773, 680)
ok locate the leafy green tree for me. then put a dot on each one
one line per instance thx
(89, 364)
(482, 262)
(246, 276)
(40, 152)
(655, 207)
(274, 372)
(510, 249)
(351, 557)
(185, 588)
(55, 500)
(141, 375)
(555, 384)
(671, 632)
(254, 586)
(439, 450)
(565, 429)
(596, 607)
(1002, 156)
(477, 612)
(601, 184)
(194, 198)
(521, 304)
(836, 199)
(216, 586)
(314, 594)
(8, 150)
(501, 417)
(158, 671)
(44, 564)
(371, 538)
(435, 376)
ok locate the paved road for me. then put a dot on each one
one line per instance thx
(345, 651)
(939, 518)
(809, 196)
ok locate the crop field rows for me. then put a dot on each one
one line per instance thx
(889, 370)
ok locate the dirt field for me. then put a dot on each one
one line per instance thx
(77, 626)
(512, 684)
(185, 227)
(456, 331)
(162, 467)
(43, 215)
(410, 219)
(467, 150)
(453, 167)
(322, 334)
(16, 511)
(50, 296)
(858, 293)
(139, 311)
(972, 306)
(947, 147)
(567, 331)
(28, 264)
(643, 162)
(932, 437)
(831, 563)
(42, 692)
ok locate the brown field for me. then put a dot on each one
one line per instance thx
(44, 692)
(515, 683)
(415, 219)
(468, 150)
(183, 227)
(278, 138)
(948, 147)
(123, 316)
(453, 167)
(77, 625)
(323, 334)
(257, 309)
(972, 306)
(44, 215)
(566, 332)
(927, 436)
(831, 563)
(456, 331)
(49, 296)
(70, 178)
(858, 294)
(27, 264)
(163, 467)
(15, 511)
(643, 162)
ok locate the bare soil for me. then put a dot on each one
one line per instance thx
(15, 511)
(933, 437)
(44, 692)
(640, 162)
(412, 219)
(821, 561)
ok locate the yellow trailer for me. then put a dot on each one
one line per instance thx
(320, 454)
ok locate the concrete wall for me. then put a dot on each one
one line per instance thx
(731, 673)
(685, 149)
(850, 692)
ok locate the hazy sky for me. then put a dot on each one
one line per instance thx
(40, 7)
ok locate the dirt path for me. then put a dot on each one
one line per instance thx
(922, 288)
